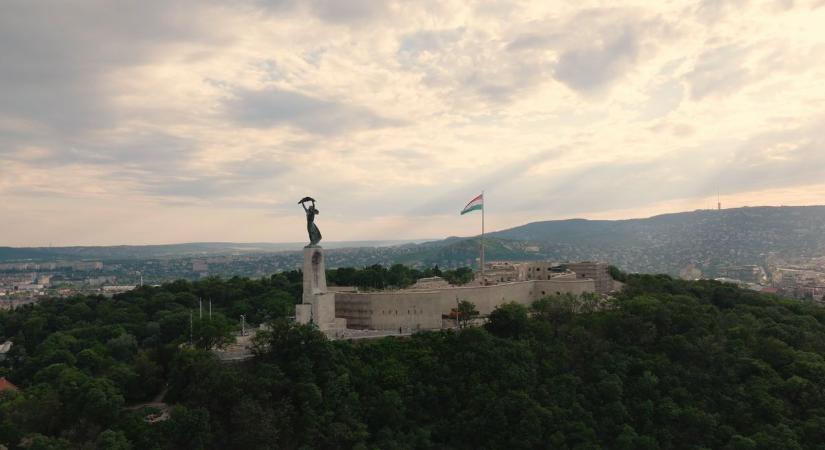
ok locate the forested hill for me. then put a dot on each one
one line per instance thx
(707, 239)
(669, 365)
(792, 227)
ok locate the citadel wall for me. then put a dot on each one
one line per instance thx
(422, 309)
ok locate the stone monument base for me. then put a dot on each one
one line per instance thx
(303, 313)
(318, 305)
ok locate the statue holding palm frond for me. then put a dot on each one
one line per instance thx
(312, 229)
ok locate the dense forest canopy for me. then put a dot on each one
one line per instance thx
(669, 364)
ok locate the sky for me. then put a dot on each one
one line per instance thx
(152, 122)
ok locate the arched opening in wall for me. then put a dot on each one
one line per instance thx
(558, 293)
(543, 293)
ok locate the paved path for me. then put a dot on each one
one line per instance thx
(156, 402)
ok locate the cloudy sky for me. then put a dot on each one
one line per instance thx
(158, 122)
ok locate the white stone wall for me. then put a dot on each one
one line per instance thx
(422, 309)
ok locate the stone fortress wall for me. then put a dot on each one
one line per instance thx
(418, 309)
(422, 307)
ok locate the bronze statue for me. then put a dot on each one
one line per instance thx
(312, 229)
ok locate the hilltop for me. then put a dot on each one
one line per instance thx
(669, 364)
(707, 239)
(704, 239)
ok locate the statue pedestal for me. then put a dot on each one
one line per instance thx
(315, 275)
(318, 305)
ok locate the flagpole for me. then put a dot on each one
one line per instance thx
(482, 237)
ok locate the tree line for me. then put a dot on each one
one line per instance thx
(397, 276)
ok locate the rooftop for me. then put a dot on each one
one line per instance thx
(6, 385)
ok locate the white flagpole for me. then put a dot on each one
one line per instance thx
(482, 236)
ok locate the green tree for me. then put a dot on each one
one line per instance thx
(40, 442)
(465, 312)
(113, 440)
(122, 347)
(212, 333)
(462, 275)
(188, 428)
(508, 320)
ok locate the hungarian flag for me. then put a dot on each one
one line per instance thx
(475, 204)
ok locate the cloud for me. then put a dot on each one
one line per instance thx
(595, 66)
(718, 71)
(403, 109)
(593, 48)
(144, 151)
(587, 52)
(487, 73)
(790, 157)
(272, 107)
(712, 11)
(782, 158)
(59, 59)
(664, 98)
(331, 11)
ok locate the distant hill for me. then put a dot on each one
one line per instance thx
(707, 239)
(119, 252)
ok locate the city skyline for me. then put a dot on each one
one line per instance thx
(195, 121)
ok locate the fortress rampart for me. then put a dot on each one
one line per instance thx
(419, 309)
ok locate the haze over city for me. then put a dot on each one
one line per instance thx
(126, 122)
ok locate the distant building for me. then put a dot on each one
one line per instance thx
(109, 291)
(5, 347)
(510, 271)
(596, 271)
(6, 385)
(748, 273)
(29, 287)
(800, 283)
(430, 283)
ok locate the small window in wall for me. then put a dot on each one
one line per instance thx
(542, 293)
